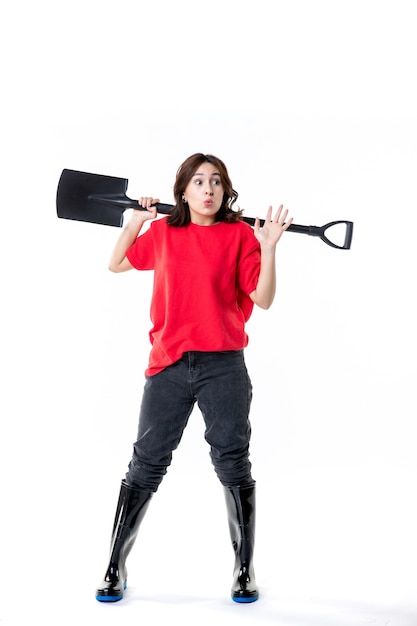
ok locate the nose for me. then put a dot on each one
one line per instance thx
(209, 191)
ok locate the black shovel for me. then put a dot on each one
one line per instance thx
(102, 200)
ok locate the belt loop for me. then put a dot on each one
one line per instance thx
(192, 362)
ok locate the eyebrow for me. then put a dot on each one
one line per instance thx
(202, 174)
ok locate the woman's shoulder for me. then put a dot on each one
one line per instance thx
(244, 228)
(240, 224)
(159, 224)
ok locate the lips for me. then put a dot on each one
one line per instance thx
(208, 203)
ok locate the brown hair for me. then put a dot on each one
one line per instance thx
(180, 214)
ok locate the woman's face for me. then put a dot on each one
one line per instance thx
(204, 194)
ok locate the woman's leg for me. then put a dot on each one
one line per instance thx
(224, 394)
(165, 409)
(166, 406)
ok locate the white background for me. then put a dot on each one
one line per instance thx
(312, 104)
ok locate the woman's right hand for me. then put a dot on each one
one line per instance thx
(146, 202)
(118, 260)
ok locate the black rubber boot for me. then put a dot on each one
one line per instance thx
(131, 508)
(241, 507)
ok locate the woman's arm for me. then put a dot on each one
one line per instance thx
(268, 237)
(118, 260)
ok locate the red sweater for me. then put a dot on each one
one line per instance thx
(202, 278)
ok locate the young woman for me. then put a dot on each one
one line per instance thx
(210, 268)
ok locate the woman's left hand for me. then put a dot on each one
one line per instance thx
(270, 233)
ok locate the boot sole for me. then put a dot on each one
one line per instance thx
(242, 600)
(108, 598)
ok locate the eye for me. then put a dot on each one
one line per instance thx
(197, 181)
(216, 181)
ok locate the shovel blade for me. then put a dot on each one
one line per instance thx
(85, 197)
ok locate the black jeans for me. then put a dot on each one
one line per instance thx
(219, 383)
